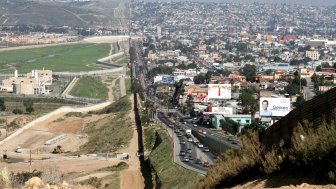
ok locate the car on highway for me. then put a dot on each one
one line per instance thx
(206, 149)
(198, 161)
(182, 142)
(206, 164)
(185, 159)
(200, 145)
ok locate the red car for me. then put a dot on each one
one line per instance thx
(206, 164)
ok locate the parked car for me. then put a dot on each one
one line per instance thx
(190, 157)
(182, 153)
(206, 149)
(185, 159)
(18, 149)
(200, 145)
(189, 151)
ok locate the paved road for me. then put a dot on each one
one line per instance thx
(196, 153)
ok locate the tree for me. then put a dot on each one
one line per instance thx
(199, 79)
(249, 71)
(229, 126)
(192, 66)
(249, 103)
(2, 105)
(318, 68)
(256, 125)
(299, 100)
(29, 106)
(181, 66)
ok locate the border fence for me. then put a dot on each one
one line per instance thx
(315, 111)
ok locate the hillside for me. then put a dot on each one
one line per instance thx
(17, 12)
(299, 148)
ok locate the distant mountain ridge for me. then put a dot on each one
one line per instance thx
(300, 2)
(17, 12)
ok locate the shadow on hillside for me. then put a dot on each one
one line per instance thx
(292, 178)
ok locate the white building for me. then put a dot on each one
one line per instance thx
(314, 55)
(34, 83)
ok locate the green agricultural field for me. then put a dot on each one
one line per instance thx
(90, 87)
(73, 58)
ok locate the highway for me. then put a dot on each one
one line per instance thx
(186, 153)
(195, 152)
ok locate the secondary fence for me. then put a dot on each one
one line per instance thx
(315, 111)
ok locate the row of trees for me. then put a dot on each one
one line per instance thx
(27, 104)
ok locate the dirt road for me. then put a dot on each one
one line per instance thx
(132, 177)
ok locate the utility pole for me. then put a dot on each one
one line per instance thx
(30, 160)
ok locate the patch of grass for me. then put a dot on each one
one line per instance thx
(90, 87)
(123, 60)
(128, 86)
(111, 182)
(168, 172)
(119, 167)
(110, 133)
(71, 58)
(121, 106)
(150, 137)
(116, 90)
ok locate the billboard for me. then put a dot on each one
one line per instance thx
(219, 91)
(277, 107)
(167, 79)
(222, 110)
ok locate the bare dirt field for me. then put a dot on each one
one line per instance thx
(77, 168)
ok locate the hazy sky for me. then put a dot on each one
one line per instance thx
(310, 2)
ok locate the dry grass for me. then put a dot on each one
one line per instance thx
(310, 149)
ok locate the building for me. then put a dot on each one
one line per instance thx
(34, 83)
(242, 119)
(314, 55)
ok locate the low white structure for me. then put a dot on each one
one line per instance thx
(34, 83)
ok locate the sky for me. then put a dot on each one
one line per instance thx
(308, 2)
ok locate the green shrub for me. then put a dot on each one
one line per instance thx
(119, 167)
(17, 111)
(93, 181)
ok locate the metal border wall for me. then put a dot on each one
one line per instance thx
(315, 111)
